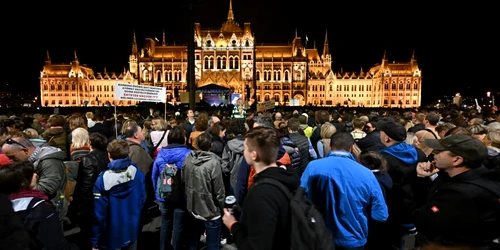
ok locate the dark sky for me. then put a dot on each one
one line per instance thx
(455, 44)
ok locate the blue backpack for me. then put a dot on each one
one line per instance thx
(167, 182)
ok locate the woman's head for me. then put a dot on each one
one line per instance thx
(16, 177)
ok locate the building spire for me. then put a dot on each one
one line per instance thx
(134, 45)
(230, 14)
(296, 33)
(326, 49)
(163, 41)
(47, 57)
(76, 57)
(413, 56)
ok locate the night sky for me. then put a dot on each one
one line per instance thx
(456, 44)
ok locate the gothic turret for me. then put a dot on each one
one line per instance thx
(134, 56)
(230, 26)
(326, 57)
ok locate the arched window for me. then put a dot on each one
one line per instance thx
(224, 60)
(207, 62)
(219, 62)
(277, 75)
(236, 62)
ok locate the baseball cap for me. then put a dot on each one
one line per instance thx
(465, 146)
(392, 129)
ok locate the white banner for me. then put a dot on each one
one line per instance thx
(126, 91)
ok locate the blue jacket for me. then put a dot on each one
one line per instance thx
(121, 190)
(347, 194)
(173, 153)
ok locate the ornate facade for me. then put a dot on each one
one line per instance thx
(69, 85)
(229, 57)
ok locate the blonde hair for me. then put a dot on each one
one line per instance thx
(31, 133)
(356, 151)
(77, 122)
(79, 138)
(494, 138)
(327, 130)
(89, 115)
(159, 124)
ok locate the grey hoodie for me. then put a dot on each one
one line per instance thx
(205, 193)
(232, 157)
(51, 170)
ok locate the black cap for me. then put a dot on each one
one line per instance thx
(392, 129)
(465, 146)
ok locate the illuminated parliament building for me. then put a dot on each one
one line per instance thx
(229, 57)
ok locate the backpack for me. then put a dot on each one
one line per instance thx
(167, 182)
(72, 176)
(308, 228)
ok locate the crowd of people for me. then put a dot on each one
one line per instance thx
(375, 176)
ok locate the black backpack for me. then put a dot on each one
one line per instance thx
(308, 229)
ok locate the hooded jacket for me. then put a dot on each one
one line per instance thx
(171, 154)
(231, 159)
(205, 193)
(265, 222)
(119, 196)
(407, 189)
(49, 166)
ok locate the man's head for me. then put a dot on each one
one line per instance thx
(134, 133)
(190, 114)
(261, 146)
(457, 151)
(263, 121)
(117, 149)
(205, 141)
(213, 120)
(431, 119)
(391, 132)
(342, 141)
(18, 149)
(293, 124)
(277, 116)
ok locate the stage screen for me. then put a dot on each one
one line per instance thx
(213, 98)
(235, 98)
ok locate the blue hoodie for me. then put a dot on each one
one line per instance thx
(121, 190)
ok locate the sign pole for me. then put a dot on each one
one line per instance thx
(165, 112)
(116, 123)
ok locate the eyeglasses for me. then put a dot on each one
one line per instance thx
(10, 141)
